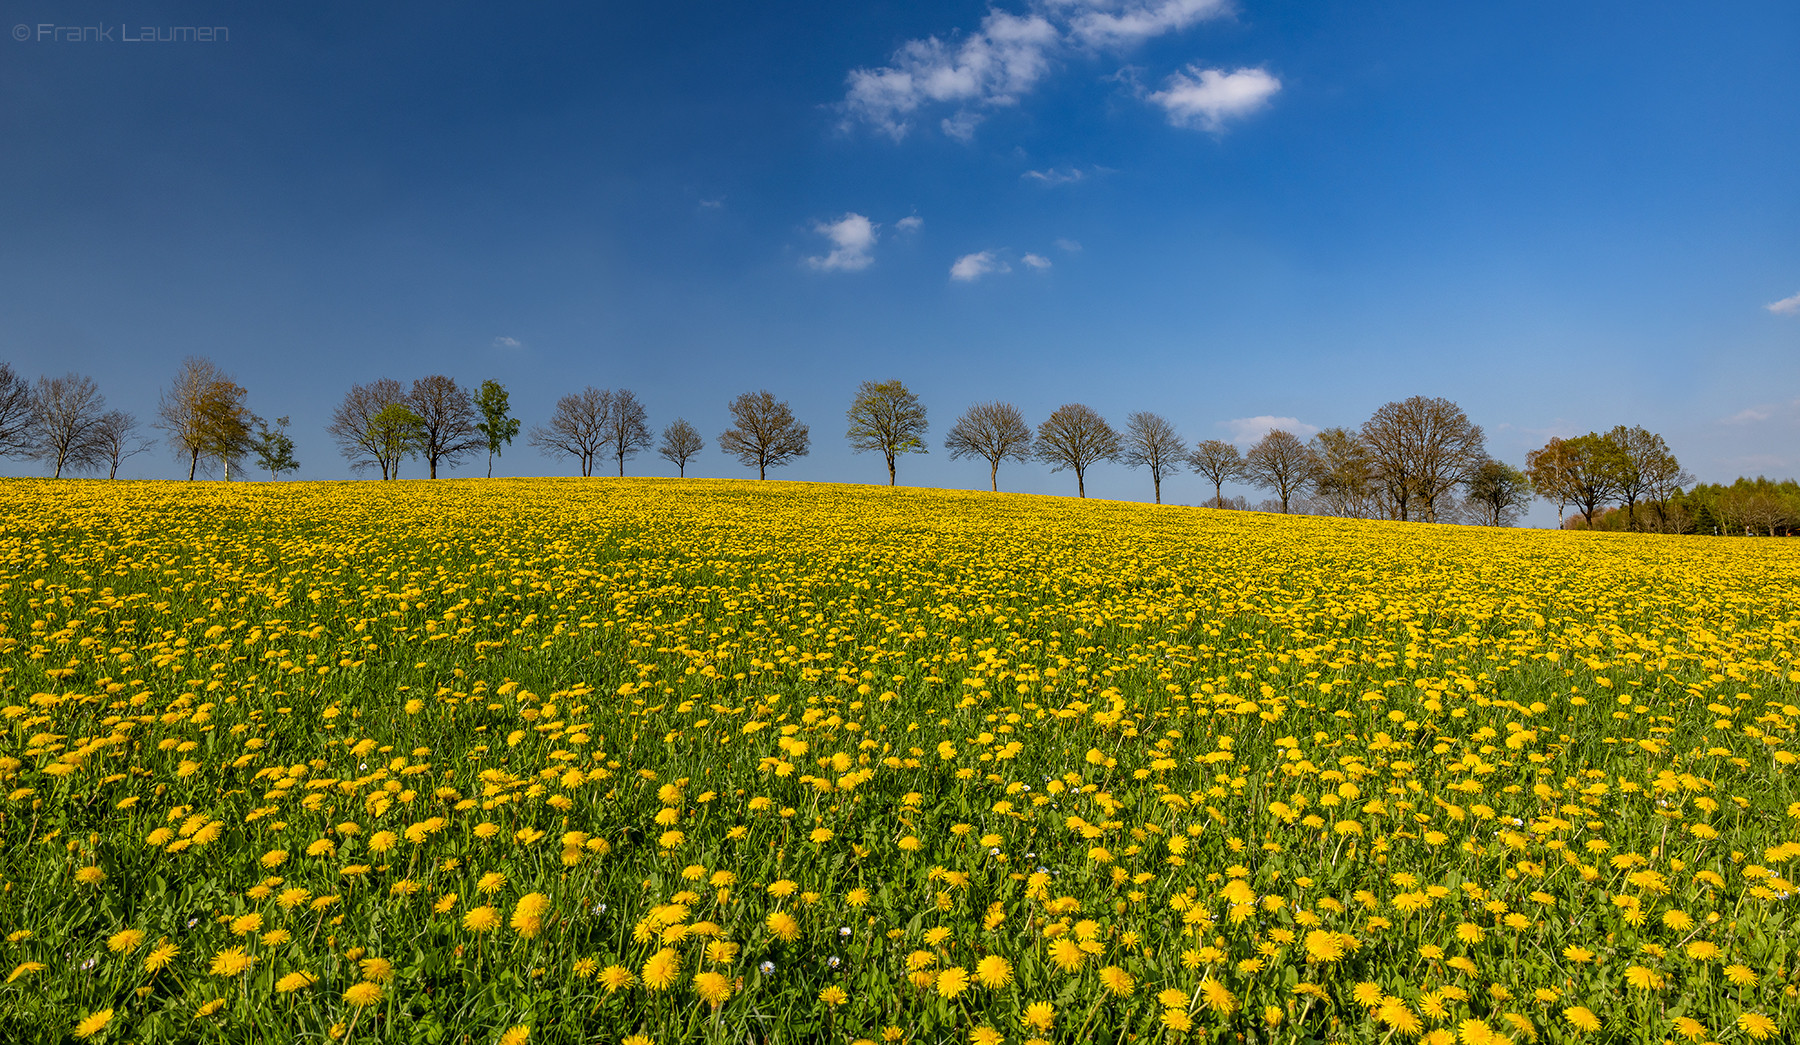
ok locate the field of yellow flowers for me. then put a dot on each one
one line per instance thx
(632, 761)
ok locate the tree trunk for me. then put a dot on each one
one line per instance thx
(1157, 480)
(227, 469)
(490, 464)
(890, 459)
(762, 469)
(994, 475)
(1219, 495)
(433, 462)
(1080, 483)
(621, 466)
(681, 469)
(193, 464)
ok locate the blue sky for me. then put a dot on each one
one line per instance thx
(1563, 217)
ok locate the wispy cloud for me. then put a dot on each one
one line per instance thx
(910, 223)
(715, 203)
(1245, 431)
(1036, 261)
(1056, 176)
(1761, 412)
(1005, 59)
(1068, 245)
(1785, 307)
(1206, 98)
(971, 267)
(508, 342)
(853, 243)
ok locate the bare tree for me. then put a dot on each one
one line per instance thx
(764, 433)
(1220, 462)
(627, 427)
(1663, 480)
(1282, 463)
(1422, 449)
(15, 413)
(887, 417)
(362, 442)
(680, 442)
(1346, 474)
(1076, 436)
(447, 418)
(577, 427)
(117, 436)
(66, 414)
(1151, 442)
(993, 431)
(1499, 492)
(187, 411)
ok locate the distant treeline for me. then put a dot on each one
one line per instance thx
(1414, 459)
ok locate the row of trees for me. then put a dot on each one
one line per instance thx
(1417, 458)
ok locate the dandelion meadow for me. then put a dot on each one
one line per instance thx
(658, 761)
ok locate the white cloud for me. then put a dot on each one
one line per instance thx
(1068, 245)
(1206, 98)
(1785, 307)
(1056, 175)
(713, 204)
(1245, 431)
(1037, 261)
(910, 223)
(508, 342)
(1004, 59)
(853, 240)
(1749, 415)
(1128, 23)
(971, 267)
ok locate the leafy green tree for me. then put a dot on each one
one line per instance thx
(273, 447)
(1583, 471)
(887, 417)
(397, 433)
(1499, 492)
(353, 424)
(224, 423)
(497, 426)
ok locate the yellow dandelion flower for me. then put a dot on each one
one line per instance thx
(661, 968)
(1394, 1013)
(232, 961)
(209, 1008)
(93, 1023)
(637, 1039)
(1581, 1018)
(1117, 981)
(491, 883)
(363, 994)
(1218, 997)
(246, 924)
(1177, 1020)
(952, 981)
(518, 1035)
(276, 937)
(528, 915)
(1039, 1016)
(985, 1035)
(1756, 1025)
(712, 987)
(482, 919)
(784, 926)
(833, 996)
(616, 978)
(161, 955)
(993, 971)
(294, 981)
(1740, 975)
(92, 876)
(1067, 954)
(1690, 1028)
(124, 940)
